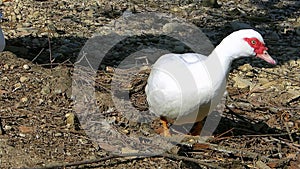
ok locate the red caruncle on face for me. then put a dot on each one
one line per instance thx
(257, 45)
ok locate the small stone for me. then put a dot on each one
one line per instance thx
(23, 79)
(179, 49)
(250, 74)
(22, 135)
(41, 101)
(45, 90)
(293, 63)
(70, 120)
(12, 67)
(83, 141)
(24, 99)
(58, 134)
(290, 124)
(245, 68)
(26, 67)
(17, 86)
(5, 78)
(242, 83)
(6, 66)
(126, 131)
(26, 24)
(273, 109)
(7, 127)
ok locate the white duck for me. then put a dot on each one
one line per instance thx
(185, 87)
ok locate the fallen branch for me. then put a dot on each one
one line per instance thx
(63, 165)
(177, 157)
(134, 155)
(230, 150)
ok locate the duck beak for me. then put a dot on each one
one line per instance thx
(265, 56)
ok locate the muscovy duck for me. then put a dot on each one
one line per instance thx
(184, 88)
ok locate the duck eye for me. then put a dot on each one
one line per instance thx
(253, 42)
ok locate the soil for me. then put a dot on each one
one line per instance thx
(42, 124)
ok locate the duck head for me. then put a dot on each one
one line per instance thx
(246, 43)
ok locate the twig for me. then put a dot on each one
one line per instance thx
(276, 74)
(37, 55)
(291, 145)
(52, 166)
(266, 135)
(10, 117)
(285, 125)
(235, 114)
(243, 153)
(56, 64)
(177, 157)
(220, 136)
(288, 131)
(50, 50)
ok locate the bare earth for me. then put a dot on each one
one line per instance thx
(39, 126)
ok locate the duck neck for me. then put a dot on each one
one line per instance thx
(221, 57)
(218, 64)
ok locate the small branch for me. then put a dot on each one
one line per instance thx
(14, 117)
(50, 49)
(177, 157)
(52, 166)
(134, 155)
(291, 145)
(37, 55)
(243, 153)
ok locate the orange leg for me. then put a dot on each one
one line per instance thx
(196, 130)
(166, 130)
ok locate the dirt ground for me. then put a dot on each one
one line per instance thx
(39, 122)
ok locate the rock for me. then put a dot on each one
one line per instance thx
(235, 25)
(250, 74)
(26, 67)
(70, 120)
(272, 36)
(22, 135)
(242, 83)
(179, 49)
(58, 134)
(17, 86)
(24, 99)
(245, 68)
(45, 90)
(23, 79)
